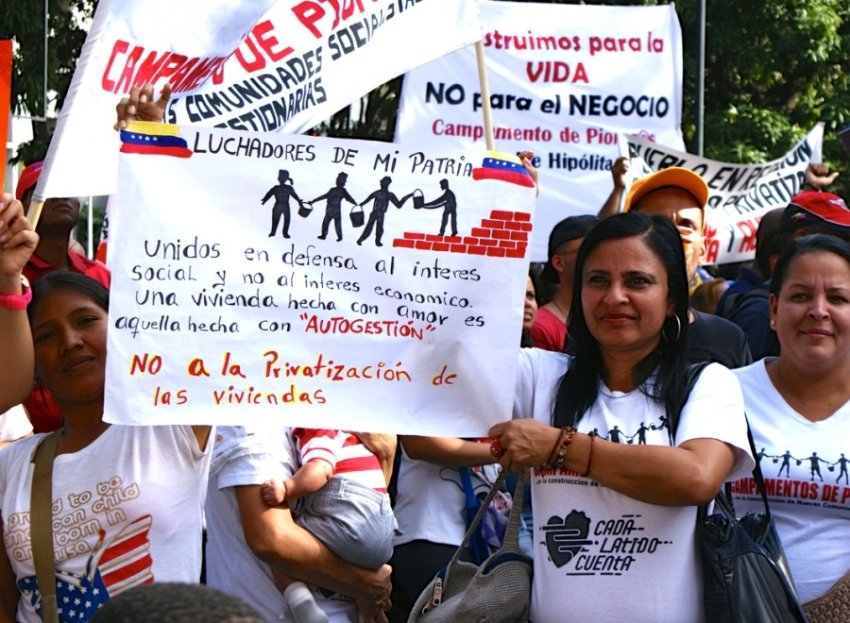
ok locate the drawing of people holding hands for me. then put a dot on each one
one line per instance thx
(448, 202)
(281, 193)
(334, 198)
(381, 199)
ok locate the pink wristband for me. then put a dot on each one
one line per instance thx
(16, 301)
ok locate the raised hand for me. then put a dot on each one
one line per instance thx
(141, 104)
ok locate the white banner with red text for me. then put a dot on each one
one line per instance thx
(564, 81)
(739, 194)
(264, 65)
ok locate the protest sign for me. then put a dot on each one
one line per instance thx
(739, 194)
(564, 80)
(269, 65)
(325, 283)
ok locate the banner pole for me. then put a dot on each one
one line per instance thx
(34, 212)
(485, 95)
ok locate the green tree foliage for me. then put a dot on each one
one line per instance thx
(772, 71)
(23, 21)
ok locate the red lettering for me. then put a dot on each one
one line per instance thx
(170, 66)
(268, 43)
(748, 228)
(258, 61)
(184, 74)
(308, 13)
(125, 82)
(348, 9)
(712, 251)
(149, 68)
(199, 73)
(120, 47)
(179, 76)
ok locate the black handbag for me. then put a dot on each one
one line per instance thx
(745, 574)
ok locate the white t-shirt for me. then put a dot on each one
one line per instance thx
(114, 519)
(805, 467)
(245, 456)
(600, 555)
(14, 424)
(431, 503)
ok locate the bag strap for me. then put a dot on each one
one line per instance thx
(757, 476)
(511, 540)
(510, 544)
(41, 522)
(692, 374)
(477, 543)
(724, 497)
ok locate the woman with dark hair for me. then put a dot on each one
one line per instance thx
(529, 310)
(114, 487)
(798, 406)
(621, 452)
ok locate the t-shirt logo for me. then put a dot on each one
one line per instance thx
(113, 567)
(566, 537)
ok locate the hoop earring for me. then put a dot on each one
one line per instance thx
(664, 335)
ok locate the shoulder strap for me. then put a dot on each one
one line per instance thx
(41, 522)
(692, 374)
(757, 476)
(512, 531)
(474, 507)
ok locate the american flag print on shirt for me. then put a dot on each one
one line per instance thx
(122, 564)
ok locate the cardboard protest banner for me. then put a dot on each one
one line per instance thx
(739, 193)
(325, 283)
(268, 65)
(564, 81)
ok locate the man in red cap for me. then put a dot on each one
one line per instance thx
(808, 213)
(58, 218)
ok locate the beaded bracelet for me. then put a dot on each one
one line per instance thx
(16, 301)
(561, 434)
(559, 452)
(586, 471)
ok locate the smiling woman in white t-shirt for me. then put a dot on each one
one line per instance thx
(617, 469)
(798, 406)
(115, 487)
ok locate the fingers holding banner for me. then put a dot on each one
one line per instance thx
(141, 104)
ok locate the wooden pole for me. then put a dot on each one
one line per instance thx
(485, 96)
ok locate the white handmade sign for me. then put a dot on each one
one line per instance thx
(325, 283)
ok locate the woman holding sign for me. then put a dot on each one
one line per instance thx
(798, 405)
(114, 488)
(126, 500)
(621, 453)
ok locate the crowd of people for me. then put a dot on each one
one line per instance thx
(313, 526)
